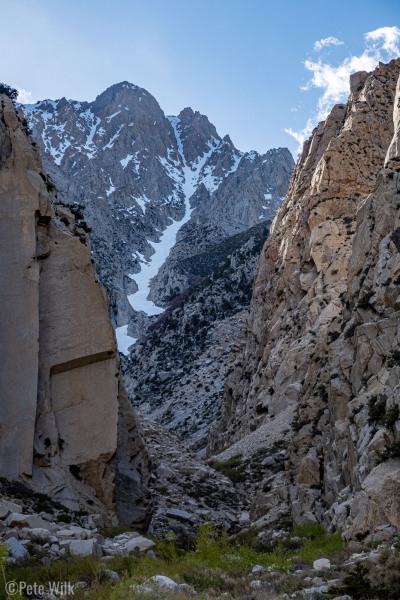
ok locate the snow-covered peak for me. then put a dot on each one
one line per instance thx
(142, 177)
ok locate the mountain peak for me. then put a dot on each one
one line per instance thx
(187, 113)
(197, 133)
(123, 91)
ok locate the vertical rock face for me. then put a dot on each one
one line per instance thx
(320, 362)
(61, 406)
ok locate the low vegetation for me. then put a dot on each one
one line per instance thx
(232, 468)
(8, 91)
(216, 565)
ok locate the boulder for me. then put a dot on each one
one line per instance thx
(111, 575)
(88, 547)
(322, 564)
(31, 521)
(74, 532)
(160, 584)
(257, 569)
(181, 515)
(138, 544)
(16, 549)
(244, 518)
(37, 532)
(10, 506)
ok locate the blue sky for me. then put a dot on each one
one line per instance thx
(242, 63)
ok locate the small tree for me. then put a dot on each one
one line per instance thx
(8, 91)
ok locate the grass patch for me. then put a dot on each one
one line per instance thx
(232, 468)
(316, 542)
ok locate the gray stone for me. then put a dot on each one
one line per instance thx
(310, 593)
(322, 564)
(160, 584)
(257, 569)
(16, 549)
(17, 520)
(11, 506)
(138, 544)
(181, 515)
(88, 547)
(31, 521)
(111, 575)
(73, 532)
(37, 532)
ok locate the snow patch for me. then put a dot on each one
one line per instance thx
(58, 153)
(114, 138)
(142, 201)
(124, 341)
(236, 160)
(211, 182)
(111, 189)
(93, 122)
(108, 119)
(125, 160)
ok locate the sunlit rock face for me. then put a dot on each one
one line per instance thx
(319, 370)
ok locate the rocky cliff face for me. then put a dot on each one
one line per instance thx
(319, 368)
(66, 427)
(152, 187)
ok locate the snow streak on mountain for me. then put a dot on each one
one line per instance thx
(154, 190)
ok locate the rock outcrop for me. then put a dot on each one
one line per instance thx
(319, 368)
(63, 413)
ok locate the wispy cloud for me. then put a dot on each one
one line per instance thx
(25, 97)
(382, 44)
(329, 41)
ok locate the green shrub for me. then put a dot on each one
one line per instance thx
(8, 91)
(232, 468)
(392, 416)
(357, 583)
(392, 451)
(316, 542)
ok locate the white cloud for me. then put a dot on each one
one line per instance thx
(382, 44)
(329, 41)
(303, 134)
(25, 97)
(384, 38)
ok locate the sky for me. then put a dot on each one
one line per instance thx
(263, 71)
